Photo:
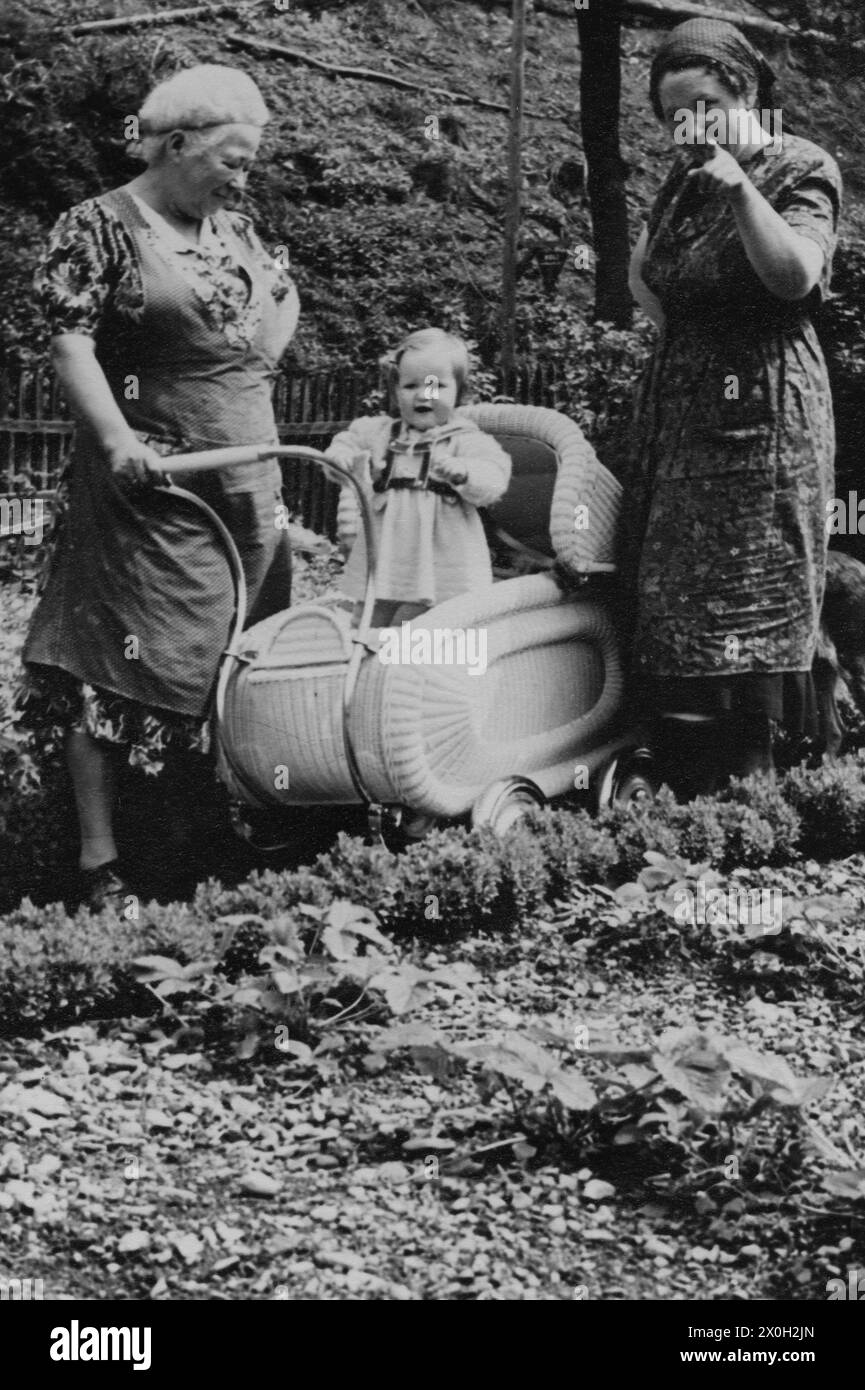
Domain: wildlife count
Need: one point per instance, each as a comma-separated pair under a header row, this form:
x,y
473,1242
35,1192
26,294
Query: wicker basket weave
x,y
582,542
433,737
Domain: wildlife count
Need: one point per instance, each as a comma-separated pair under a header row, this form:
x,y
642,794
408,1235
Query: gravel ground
x,y
139,1166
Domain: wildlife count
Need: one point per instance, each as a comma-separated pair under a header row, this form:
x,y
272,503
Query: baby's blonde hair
x,y
427,338
198,99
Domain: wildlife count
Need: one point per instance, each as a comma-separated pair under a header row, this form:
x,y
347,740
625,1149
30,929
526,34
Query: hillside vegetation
x,y
387,227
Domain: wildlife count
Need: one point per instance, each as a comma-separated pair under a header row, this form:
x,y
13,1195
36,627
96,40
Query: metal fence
x,y
310,407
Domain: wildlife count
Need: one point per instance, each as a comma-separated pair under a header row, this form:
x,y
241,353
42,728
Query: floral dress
x,y
723,536
138,597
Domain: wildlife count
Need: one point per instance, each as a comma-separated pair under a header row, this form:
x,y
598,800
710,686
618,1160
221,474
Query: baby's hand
x,y
452,471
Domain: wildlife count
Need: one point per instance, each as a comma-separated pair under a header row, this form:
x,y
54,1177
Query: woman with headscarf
x,y
723,541
168,318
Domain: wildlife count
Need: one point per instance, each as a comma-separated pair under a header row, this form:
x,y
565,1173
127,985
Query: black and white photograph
x,y
432,666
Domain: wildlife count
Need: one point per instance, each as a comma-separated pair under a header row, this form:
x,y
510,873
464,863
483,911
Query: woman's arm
x,y
648,302
788,264
74,360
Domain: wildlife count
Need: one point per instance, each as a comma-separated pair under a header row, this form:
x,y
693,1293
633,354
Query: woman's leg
x,y
687,747
746,748
91,768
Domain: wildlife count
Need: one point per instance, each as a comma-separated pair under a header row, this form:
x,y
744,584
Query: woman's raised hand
x,y
134,465
720,171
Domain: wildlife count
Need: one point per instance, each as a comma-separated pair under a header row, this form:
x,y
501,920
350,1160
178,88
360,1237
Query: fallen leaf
x,y
428,1144
596,1190
22,1192
132,1241
241,1106
157,1119
17,1099
259,1185
187,1245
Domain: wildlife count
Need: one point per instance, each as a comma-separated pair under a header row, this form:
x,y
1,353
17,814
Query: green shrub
x,y
525,871
766,798
639,827
747,825
577,848
38,831
830,801
55,968
59,968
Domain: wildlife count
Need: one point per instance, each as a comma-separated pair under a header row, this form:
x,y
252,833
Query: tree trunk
x,y
515,177
600,82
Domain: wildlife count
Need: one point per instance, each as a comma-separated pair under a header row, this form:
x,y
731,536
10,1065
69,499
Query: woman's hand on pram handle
x,y
134,465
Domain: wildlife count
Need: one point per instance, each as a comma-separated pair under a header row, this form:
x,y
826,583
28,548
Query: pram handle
x,y
233,455
255,453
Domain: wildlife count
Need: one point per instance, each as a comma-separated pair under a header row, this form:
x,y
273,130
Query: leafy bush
x,y
639,827
457,878
576,847
595,368
670,1112
734,829
830,801
57,968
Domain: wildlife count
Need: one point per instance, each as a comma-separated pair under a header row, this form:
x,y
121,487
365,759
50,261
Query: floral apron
x,y
139,596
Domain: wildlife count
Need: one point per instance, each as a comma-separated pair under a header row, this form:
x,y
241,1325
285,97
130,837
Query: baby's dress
x,y
431,546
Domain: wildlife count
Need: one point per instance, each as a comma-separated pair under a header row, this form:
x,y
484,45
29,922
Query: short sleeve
x,y
77,275
811,205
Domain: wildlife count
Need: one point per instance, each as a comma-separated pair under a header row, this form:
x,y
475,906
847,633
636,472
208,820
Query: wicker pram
x,y
308,713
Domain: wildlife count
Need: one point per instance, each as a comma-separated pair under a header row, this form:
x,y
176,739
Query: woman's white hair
x,y
198,98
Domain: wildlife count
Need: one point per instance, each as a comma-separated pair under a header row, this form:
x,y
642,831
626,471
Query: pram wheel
x,y
627,779
398,827
506,802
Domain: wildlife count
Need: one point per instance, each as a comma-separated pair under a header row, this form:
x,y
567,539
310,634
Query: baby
x,y
426,469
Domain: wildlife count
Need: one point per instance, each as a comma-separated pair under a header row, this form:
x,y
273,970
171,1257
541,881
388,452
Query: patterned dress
x,y
723,539
189,338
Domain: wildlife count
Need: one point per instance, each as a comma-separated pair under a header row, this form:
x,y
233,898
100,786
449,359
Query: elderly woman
x,y
168,318
723,542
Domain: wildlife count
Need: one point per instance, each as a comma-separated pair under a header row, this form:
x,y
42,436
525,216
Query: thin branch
x,y
661,12
295,55
773,28
141,21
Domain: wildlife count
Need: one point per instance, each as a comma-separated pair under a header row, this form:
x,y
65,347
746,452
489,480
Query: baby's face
x,y
427,389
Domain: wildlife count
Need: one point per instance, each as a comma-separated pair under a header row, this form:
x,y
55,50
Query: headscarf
x,y
703,42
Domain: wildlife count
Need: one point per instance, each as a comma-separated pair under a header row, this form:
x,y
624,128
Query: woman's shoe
x,y
103,887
